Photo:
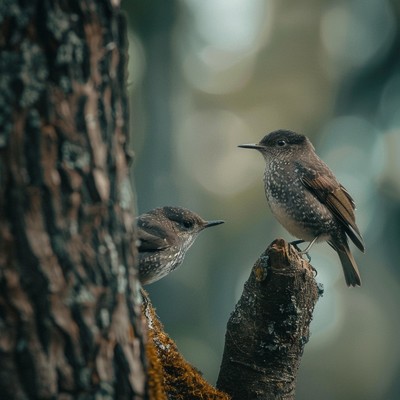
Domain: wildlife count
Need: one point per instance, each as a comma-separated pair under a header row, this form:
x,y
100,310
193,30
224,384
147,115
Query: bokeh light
x,y
214,136
206,76
356,32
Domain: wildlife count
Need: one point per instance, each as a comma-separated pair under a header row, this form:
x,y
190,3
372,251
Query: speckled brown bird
x,y
165,234
307,199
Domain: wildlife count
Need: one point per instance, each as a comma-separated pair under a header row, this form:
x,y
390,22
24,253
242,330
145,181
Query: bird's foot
x,y
307,255
314,270
302,252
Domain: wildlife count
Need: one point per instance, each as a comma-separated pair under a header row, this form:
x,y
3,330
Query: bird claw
x,y
302,252
314,270
307,255
295,243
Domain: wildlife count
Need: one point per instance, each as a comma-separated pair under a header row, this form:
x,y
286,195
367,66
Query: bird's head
x,y
280,143
187,224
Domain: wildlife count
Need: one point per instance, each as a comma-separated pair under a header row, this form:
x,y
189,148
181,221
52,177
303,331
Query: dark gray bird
x,y
306,198
165,235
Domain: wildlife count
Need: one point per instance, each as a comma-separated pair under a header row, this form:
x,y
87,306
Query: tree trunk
x,y
70,322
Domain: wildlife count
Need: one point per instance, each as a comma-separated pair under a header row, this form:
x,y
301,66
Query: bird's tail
x,y
350,269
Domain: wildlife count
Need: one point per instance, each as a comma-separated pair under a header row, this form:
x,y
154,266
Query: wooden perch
x,y
269,328
265,337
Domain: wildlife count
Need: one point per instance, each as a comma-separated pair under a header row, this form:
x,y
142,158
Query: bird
x,y
307,199
164,236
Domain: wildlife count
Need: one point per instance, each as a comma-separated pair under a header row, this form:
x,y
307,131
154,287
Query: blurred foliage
x,y
208,75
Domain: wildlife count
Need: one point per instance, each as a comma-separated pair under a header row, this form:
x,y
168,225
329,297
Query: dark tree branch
x,y
269,328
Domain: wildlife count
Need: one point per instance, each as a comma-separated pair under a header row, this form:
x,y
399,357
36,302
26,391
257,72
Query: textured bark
x,y
269,328
70,321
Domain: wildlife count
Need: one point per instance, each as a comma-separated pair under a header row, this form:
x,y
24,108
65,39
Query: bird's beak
x,y
251,146
213,223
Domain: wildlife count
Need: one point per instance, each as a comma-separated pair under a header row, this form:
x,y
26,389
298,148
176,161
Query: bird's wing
x,y
331,193
152,236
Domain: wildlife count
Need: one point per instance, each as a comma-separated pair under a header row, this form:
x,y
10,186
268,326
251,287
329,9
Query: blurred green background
x,y
207,75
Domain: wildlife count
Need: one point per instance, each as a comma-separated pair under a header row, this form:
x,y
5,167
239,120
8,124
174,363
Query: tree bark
x,y
269,328
70,320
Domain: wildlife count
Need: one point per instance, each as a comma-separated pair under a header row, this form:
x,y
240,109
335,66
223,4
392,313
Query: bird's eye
x,y
187,224
281,143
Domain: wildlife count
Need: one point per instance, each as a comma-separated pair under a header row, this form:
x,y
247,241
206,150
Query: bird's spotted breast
x,y
293,226
296,209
